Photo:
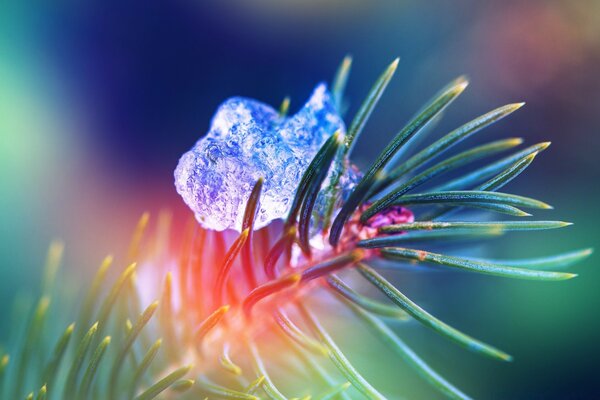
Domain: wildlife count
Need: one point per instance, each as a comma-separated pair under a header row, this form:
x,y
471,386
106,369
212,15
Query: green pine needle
x,y
491,170
429,320
227,363
314,187
362,189
563,260
226,393
410,357
143,366
126,347
57,356
284,107
443,167
445,143
372,306
248,225
465,196
164,383
483,267
267,384
339,82
501,225
368,105
339,359
90,372
293,332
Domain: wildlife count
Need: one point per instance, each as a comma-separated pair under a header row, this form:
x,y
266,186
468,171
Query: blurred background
x,y
99,99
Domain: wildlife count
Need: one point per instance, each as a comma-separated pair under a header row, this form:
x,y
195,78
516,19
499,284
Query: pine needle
x,y
164,383
445,166
339,82
53,365
90,372
143,367
365,303
119,360
340,360
248,226
293,332
70,387
364,186
483,267
427,319
446,142
409,356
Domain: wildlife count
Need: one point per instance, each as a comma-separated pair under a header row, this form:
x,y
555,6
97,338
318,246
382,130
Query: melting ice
x,y
247,140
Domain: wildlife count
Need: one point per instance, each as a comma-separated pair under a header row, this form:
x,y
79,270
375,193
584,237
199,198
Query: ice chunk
x,y
248,140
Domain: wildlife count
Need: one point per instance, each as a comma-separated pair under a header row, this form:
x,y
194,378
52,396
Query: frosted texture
x,y
246,140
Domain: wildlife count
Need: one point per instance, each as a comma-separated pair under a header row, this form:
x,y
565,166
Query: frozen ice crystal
x,y
248,140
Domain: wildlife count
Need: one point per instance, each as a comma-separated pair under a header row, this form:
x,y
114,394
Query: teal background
x,y
98,100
